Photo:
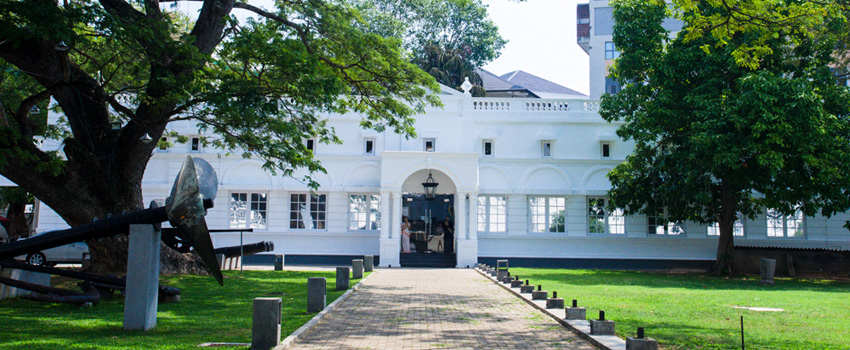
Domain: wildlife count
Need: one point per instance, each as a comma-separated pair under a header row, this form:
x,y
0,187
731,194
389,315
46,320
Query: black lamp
x,y
430,187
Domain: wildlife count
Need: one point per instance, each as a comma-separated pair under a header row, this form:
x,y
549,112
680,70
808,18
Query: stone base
x,y
368,263
641,344
357,268
278,262
516,283
501,274
555,303
539,295
316,294
342,278
526,289
507,279
598,327
576,313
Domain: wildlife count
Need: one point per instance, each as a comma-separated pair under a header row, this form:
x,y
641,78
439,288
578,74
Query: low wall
x,y
746,260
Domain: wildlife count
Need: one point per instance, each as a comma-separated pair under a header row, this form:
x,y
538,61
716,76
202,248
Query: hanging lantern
x,y
430,187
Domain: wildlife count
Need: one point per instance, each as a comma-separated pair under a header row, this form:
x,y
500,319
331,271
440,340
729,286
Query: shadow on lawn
x,y
669,280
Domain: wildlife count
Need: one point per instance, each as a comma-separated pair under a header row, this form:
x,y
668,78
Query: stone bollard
x,y
539,294
767,267
278,262
526,288
368,263
601,326
501,274
554,302
641,343
504,277
508,279
575,312
342,278
265,330
316,294
516,283
357,268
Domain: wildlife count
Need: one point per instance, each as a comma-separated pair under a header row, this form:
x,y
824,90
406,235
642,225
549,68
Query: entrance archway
x,y
432,222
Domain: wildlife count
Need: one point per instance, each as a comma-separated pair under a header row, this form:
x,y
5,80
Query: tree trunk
x,y
726,244
18,225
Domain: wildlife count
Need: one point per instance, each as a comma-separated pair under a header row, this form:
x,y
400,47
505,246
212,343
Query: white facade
x,y
545,156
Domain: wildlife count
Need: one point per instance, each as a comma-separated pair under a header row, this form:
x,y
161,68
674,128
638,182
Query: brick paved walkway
x,y
436,309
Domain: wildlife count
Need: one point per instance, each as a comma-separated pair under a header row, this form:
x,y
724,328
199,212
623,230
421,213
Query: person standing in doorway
x,y
448,236
405,235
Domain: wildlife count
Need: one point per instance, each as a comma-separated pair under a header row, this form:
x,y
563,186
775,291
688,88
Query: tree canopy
x,y
260,85
717,140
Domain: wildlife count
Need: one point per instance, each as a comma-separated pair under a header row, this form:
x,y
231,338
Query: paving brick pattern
x,y
436,309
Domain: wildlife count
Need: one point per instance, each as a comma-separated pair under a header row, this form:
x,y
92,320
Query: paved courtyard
x,y
436,309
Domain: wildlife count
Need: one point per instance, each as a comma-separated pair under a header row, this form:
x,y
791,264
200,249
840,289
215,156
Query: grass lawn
x,y
695,311
206,313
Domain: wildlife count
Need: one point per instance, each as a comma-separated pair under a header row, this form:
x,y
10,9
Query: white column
x,y
396,213
473,216
460,216
386,216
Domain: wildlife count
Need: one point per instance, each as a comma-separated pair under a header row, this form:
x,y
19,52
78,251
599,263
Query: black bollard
x,y
640,333
601,315
526,282
575,303
539,287
554,295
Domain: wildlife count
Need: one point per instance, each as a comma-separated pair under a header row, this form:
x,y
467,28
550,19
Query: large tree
x,y
717,140
449,39
260,85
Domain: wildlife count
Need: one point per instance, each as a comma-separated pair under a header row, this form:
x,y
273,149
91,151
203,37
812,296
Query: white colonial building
x,y
520,178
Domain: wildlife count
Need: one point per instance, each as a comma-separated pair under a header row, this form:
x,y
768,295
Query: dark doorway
x,y
432,226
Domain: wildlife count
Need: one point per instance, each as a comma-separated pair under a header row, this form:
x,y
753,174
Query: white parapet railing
x,y
533,105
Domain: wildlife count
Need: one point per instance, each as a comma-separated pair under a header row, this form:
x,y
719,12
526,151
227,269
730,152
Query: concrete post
x,y
316,294
142,290
342,278
460,214
396,214
265,328
554,302
601,326
386,217
357,268
539,294
641,344
278,262
368,263
473,216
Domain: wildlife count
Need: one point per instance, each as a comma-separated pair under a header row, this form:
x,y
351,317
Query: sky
x,y
541,37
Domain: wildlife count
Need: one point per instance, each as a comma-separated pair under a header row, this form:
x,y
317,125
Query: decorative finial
x,y
466,86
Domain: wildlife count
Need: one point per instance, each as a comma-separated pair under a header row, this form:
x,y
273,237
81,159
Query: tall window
x,y
737,229
611,51
487,148
248,210
546,148
657,223
604,221
196,144
311,145
364,212
492,214
308,211
369,146
547,214
779,225
606,149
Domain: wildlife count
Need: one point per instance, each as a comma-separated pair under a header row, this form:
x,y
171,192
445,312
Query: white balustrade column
x,y
396,214
460,216
473,216
386,216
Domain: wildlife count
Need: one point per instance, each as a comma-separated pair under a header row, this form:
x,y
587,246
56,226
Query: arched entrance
x,y
432,221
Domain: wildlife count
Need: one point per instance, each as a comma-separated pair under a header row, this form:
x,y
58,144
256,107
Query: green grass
x,y
206,313
695,311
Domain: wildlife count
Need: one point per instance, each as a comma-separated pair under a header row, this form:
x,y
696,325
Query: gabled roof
x,y
538,85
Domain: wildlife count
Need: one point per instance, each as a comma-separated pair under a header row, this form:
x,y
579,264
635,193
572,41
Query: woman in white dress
x,y
405,235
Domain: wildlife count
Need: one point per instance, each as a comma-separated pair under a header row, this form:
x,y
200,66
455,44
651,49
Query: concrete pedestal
x,y
641,344
316,294
516,283
278,262
390,251
342,278
357,268
555,303
598,327
368,263
142,289
467,252
576,313
265,329
501,274
539,295
526,289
